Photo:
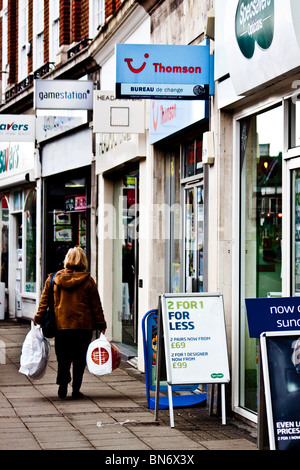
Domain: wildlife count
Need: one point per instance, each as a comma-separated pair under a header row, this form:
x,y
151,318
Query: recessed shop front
x,y
185,188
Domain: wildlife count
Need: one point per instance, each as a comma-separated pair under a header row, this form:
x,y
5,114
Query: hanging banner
x,y
117,116
163,71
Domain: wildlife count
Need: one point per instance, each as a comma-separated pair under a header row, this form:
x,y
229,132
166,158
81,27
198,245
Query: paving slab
x,y
112,416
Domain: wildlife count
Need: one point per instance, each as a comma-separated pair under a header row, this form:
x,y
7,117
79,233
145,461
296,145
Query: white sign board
x,y
195,338
17,128
168,117
54,123
63,94
115,116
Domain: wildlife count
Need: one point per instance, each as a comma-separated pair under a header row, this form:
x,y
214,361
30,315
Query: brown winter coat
x,y
77,304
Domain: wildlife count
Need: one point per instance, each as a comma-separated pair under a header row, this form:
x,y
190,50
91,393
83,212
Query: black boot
x,y
62,390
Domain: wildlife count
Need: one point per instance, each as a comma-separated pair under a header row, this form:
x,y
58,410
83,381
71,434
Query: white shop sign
x,y
115,116
17,128
63,94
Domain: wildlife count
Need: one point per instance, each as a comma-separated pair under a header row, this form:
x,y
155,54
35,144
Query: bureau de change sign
x,y
163,71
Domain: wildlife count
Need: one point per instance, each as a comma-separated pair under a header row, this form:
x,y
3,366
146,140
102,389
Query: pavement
x,y
112,416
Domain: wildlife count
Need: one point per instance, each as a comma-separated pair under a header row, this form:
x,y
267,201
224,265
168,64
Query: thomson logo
x,y
14,127
64,95
162,68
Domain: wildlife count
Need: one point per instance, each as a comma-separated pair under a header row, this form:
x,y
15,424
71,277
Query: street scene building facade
x,y
199,196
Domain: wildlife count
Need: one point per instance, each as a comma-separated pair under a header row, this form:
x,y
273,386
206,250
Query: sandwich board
x,y
192,327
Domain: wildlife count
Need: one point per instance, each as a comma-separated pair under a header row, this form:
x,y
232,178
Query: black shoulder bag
x,y
49,324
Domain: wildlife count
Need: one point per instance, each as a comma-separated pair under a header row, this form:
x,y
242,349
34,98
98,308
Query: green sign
x,y
254,22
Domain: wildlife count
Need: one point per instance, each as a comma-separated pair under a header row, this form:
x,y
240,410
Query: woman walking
x,y
78,311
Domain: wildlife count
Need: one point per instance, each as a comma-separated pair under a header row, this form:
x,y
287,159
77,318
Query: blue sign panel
x,y
272,314
163,71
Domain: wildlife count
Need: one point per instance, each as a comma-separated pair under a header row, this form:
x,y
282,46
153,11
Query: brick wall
x,y
46,30
65,22
12,45
110,7
80,20
30,34
85,19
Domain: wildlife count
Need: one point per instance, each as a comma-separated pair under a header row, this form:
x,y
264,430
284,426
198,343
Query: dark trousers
x,y
71,347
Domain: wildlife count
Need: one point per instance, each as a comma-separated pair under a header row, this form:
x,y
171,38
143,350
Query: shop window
x,y
30,240
4,224
193,158
261,230
173,223
126,259
68,216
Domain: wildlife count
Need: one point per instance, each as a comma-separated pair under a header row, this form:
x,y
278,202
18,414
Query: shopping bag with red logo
x,y
102,356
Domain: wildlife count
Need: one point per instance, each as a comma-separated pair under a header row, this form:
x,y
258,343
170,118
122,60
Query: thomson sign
x,y
63,94
163,71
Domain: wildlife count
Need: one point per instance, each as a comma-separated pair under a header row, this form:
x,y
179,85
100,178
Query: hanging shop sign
x,y
54,123
272,314
115,116
168,117
17,128
63,94
280,354
163,71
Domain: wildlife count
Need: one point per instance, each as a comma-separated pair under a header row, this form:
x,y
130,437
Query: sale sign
x,y
195,338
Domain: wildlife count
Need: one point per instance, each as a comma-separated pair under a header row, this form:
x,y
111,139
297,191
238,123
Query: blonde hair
x,y
76,259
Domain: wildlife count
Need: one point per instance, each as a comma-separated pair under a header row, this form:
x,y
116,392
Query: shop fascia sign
x,y
63,94
114,116
170,116
52,123
164,71
254,23
17,128
16,158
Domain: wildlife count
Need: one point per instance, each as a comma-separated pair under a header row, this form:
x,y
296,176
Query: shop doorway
x,y
126,259
67,202
194,237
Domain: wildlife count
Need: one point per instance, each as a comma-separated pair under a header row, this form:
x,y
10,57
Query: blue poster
x,y
272,314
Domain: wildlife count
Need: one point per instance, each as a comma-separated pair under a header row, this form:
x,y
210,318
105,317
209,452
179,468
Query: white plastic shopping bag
x,y
102,357
35,353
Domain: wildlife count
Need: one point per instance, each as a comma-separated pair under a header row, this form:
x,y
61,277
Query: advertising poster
x,y
195,338
281,364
